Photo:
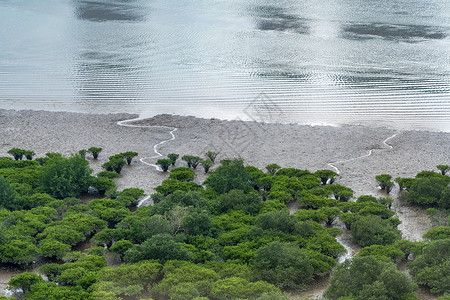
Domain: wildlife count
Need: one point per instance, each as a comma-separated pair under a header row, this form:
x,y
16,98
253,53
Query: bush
x,y
95,151
66,177
17,153
103,184
373,230
164,163
385,182
192,161
182,174
173,157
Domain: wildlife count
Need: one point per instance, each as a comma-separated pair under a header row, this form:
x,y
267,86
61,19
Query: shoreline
x,y
359,152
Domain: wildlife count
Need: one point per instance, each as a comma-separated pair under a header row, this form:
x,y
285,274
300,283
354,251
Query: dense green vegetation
x,y
231,237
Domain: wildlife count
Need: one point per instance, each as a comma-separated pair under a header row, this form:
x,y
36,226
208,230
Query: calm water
x,y
324,62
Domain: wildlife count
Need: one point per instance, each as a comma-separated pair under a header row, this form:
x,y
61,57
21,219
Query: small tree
x,y
17,153
272,168
115,164
95,151
164,163
24,281
211,155
173,157
182,174
102,184
82,153
120,247
206,164
325,175
192,161
29,154
443,168
385,182
129,156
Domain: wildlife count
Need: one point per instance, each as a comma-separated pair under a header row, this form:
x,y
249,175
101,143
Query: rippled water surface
x,y
322,62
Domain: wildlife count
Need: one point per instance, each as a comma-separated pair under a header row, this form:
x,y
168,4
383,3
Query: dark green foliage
x,y
206,164
169,186
173,157
251,202
385,182
431,266
20,252
192,161
29,154
164,163
109,236
283,264
427,191
160,247
8,196
211,155
120,247
373,230
182,174
115,164
95,151
230,175
66,177
404,183
128,156
368,277
17,153
272,168
443,168
108,174
103,184
326,175
292,172
340,192
389,251
24,281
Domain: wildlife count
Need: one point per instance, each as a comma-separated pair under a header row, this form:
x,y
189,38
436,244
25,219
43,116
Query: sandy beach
x,y
347,148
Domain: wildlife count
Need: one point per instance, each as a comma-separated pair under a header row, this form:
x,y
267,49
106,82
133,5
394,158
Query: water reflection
x,y
392,32
278,19
115,10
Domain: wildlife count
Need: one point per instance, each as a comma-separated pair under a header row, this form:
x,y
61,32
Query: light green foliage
x,y
20,252
146,227
389,251
66,177
283,264
438,233
29,154
50,291
340,192
230,175
182,174
404,183
431,266
53,248
235,287
95,151
62,233
385,182
368,277
128,280
24,281
120,247
373,230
